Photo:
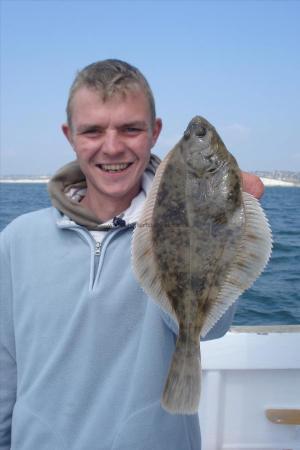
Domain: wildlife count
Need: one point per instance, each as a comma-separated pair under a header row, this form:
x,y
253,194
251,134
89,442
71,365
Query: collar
x,y
67,187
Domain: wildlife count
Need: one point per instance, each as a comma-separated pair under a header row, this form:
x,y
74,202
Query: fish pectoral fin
x,y
252,257
143,259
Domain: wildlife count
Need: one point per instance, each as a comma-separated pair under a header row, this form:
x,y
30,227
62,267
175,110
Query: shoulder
x,y
29,223
31,218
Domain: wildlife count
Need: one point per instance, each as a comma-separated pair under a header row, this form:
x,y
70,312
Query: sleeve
x,y
8,372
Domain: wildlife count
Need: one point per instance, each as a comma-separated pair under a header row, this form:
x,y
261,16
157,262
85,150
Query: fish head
x,y
202,149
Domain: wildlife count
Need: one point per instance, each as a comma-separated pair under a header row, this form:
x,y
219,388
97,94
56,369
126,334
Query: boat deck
x,y
251,389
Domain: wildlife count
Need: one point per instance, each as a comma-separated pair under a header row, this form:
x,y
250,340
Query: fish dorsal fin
x,y
143,259
251,259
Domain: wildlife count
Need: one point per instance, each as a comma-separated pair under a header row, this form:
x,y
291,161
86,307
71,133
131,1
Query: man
x,y
84,352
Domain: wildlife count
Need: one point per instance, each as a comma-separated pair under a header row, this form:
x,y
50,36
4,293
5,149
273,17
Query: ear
x,y
67,132
156,130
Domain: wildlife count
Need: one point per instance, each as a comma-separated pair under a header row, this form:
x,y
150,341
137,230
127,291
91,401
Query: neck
x,y
106,209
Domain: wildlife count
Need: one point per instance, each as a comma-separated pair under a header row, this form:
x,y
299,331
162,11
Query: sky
x,y
237,63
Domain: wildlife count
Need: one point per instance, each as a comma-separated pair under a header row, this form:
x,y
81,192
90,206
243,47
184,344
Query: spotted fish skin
x,y
197,224
204,244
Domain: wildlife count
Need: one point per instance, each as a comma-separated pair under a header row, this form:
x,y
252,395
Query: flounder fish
x,y
199,244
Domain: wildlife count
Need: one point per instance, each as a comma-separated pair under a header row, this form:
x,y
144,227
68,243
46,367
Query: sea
x,y
274,298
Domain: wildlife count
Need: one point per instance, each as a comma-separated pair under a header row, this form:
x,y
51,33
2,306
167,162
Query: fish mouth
x,y
115,167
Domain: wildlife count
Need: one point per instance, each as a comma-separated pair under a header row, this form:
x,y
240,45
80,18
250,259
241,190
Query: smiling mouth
x,y
114,167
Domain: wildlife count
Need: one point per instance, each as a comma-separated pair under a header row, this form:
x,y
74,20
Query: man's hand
x,y
252,184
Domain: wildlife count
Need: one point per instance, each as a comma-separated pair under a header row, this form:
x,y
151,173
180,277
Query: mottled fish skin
x,y
200,243
197,222
197,225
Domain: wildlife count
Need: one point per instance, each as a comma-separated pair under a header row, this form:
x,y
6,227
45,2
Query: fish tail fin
x,y
182,389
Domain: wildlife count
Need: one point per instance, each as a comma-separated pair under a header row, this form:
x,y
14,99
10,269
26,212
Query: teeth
x,y
114,167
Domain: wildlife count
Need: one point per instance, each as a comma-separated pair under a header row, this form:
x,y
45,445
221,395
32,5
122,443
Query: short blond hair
x,y
110,77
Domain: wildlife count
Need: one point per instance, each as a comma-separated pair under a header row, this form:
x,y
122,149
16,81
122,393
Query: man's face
x,y
112,141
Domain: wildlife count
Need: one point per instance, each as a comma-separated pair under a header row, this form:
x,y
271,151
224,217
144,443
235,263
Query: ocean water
x,y
275,296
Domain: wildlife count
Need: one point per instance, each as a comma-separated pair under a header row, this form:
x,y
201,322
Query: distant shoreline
x,y
267,181
24,180
274,182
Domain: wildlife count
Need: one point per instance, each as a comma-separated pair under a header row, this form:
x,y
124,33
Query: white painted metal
x,y
245,373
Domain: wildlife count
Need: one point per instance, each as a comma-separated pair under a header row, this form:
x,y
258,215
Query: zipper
x,y
98,249
97,253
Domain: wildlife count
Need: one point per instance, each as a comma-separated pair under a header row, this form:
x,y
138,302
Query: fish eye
x,y
200,132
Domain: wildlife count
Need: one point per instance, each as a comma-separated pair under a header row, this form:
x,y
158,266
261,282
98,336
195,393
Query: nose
x,y
112,143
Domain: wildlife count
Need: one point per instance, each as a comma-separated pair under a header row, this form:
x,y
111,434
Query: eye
x,y
90,133
93,132
132,130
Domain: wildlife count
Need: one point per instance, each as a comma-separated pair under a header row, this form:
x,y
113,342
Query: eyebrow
x,y
93,127
137,124
87,127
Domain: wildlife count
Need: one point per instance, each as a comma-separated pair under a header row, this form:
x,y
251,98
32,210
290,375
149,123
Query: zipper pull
x,y
98,248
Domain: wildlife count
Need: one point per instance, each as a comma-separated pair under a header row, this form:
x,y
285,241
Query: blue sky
x,y
235,62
